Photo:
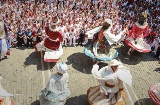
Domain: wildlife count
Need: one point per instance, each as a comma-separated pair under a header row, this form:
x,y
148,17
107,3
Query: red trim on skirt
x,y
135,48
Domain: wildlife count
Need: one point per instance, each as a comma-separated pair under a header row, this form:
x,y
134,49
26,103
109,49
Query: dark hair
x,y
105,25
141,20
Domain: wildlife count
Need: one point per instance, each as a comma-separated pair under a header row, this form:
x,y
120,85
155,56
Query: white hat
x,y
62,67
114,62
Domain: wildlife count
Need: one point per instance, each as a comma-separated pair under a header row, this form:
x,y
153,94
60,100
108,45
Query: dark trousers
x,y
158,52
20,42
80,41
29,43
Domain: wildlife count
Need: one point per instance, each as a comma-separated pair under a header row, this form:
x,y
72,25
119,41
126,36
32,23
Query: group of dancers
x,y
98,47
111,78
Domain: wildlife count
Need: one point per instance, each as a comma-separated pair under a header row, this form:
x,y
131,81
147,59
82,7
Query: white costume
x,y
108,38
72,38
112,38
65,37
57,89
110,83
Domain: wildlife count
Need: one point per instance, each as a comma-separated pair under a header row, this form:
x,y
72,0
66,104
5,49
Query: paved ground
x,y
26,74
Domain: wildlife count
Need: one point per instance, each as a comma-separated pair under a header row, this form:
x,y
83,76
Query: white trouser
x,y
65,41
70,40
155,45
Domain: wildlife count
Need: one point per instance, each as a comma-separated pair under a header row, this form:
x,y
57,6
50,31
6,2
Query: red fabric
x,y
53,45
54,35
138,32
51,60
8,52
152,33
2,100
34,33
132,46
153,97
130,1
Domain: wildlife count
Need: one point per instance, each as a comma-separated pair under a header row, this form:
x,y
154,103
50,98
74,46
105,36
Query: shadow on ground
x,y
145,101
80,62
157,70
35,59
36,102
136,56
77,100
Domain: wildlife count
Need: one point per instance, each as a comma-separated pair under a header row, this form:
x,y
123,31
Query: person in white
x,y
111,78
65,37
57,89
72,38
155,44
111,38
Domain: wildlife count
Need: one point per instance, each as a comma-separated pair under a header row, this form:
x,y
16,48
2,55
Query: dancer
x,y
111,89
135,37
100,41
57,89
51,44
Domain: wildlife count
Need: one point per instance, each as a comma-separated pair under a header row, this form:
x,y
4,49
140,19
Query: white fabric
x,y
40,46
112,38
50,54
58,90
140,43
107,75
158,87
1,29
114,62
53,54
62,67
4,48
3,92
124,75
155,45
95,48
72,38
59,87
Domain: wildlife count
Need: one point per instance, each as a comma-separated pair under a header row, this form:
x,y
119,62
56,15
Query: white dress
x,y
56,91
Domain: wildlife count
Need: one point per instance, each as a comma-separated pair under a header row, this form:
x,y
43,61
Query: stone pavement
x,y
25,74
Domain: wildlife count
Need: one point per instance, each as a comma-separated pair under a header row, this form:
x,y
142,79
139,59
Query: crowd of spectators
x,y
74,15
